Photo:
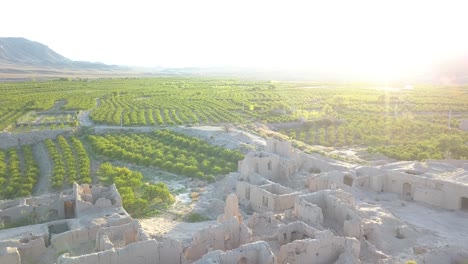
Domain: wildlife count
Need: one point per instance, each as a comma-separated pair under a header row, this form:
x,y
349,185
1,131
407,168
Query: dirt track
x,y
45,168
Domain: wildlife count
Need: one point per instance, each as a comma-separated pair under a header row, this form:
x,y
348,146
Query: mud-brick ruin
x,y
282,206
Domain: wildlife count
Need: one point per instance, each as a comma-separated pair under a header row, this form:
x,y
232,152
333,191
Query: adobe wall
x,y
324,164
231,209
92,197
294,231
307,212
252,253
226,236
9,255
33,210
265,164
259,199
142,252
8,140
264,226
170,252
282,148
72,239
119,236
332,180
279,162
337,209
435,192
28,248
325,248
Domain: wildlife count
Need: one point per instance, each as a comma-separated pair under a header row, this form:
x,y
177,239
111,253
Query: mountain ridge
x,y
23,52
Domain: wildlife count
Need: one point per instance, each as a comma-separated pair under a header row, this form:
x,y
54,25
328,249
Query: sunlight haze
x,y
383,39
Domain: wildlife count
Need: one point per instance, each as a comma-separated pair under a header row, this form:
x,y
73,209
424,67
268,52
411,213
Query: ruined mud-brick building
x,y
277,163
304,211
271,197
328,202
86,224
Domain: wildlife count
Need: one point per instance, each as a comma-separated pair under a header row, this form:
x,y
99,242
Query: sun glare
x,y
381,40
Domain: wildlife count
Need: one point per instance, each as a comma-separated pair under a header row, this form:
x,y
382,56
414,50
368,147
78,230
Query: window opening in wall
x,y
407,190
247,193
348,180
269,165
464,204
294,236
69,207
265,201
243,260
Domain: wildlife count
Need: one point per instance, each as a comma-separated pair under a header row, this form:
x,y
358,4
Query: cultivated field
x,y
406,123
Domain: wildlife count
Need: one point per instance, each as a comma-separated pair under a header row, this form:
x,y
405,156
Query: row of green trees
x,y
402,137
170,151
137,197
82,160
70,162
16,180
171,101
58,171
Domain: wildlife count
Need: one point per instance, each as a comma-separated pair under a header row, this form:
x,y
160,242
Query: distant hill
x,y
21,58
27,52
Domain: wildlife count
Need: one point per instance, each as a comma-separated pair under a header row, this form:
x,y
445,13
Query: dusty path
x,y
42,158
84,117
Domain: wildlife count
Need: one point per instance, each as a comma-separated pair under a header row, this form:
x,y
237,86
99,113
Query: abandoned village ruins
x,y
282,206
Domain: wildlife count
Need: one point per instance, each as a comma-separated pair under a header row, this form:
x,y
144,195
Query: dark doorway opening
x,y
407,190
464,204
69,207
348,180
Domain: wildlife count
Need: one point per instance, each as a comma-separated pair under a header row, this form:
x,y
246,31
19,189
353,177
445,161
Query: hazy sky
x,y
376,37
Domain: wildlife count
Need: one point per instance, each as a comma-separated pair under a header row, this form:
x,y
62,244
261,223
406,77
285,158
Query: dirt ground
x,y
45,167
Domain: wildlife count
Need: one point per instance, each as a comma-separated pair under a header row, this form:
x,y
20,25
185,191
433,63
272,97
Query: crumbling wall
x,y
141,252
325,248
71,239
119,236
337,208
87,197
229,235
32,210
278,163
282,148
262,163
307,212
294,231
252,253
263,226
260,199
170,252
332,180
28,248
435,192
316,162
9,255
231,209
